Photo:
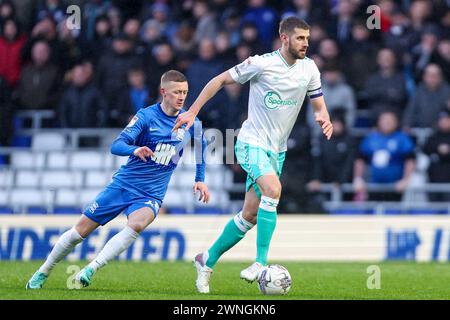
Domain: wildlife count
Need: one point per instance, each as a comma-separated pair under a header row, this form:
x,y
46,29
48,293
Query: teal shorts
x,y
258,162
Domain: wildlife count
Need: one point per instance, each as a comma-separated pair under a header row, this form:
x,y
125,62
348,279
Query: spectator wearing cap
x,y
438,150
112,74
428,99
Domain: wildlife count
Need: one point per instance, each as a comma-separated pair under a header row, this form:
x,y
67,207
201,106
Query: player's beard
x,y
295,54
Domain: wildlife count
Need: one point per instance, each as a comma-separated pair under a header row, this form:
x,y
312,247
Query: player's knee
x,y
138,226
272,190
250,215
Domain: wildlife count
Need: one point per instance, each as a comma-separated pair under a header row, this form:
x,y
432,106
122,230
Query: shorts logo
x,y
163,153
153,204
273,101
93,207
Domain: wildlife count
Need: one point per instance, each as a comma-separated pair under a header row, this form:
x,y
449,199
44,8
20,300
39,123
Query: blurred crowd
x,y
100,74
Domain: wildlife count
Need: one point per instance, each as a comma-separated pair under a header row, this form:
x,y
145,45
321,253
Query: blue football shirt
x,y
152,127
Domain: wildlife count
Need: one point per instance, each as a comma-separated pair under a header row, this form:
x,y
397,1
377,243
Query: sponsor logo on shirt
x,y
273,100
163,153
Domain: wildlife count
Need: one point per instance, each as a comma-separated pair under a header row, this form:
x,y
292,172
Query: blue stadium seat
x,y
6,210
67,210
176,210
208,210
391,211
21,141
36,210
427,211
352,211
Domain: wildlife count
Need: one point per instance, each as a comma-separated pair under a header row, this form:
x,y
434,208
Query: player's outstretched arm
x,y
322,117
209,91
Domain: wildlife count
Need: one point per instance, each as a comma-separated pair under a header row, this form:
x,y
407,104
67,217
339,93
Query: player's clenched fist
x,y
143,153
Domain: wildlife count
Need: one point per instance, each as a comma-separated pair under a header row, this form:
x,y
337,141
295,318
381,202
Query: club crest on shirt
x,y
133,121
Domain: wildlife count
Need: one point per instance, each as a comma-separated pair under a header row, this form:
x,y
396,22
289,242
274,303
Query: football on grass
x,y
274,280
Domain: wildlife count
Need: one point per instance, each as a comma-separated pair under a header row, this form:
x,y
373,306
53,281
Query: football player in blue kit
x,y
139,186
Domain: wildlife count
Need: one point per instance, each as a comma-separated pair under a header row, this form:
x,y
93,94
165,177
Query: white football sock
x,y
115,246
62,248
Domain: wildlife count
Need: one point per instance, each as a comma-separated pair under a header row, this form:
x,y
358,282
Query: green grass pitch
x,y
175,280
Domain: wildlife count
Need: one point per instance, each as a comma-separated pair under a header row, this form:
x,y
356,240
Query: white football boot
x,y
252,273
203,272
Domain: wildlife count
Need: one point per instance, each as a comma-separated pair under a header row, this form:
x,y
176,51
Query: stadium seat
x,y
208,210
67,210
66,197
48,141
86,160
27,196
3,197
88,195
6,210
36,210
97,178
57,160
27,179
58,179
6,178
175,198
27,160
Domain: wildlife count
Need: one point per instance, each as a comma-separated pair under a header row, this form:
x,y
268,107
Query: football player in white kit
x,y
279,82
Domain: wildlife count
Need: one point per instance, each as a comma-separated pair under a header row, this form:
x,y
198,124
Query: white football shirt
x,y
276,95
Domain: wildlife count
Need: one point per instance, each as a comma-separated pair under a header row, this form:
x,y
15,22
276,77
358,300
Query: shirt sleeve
x,y
248,69
124,144
200,145
315,86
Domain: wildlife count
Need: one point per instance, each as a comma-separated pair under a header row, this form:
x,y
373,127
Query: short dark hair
x,y
289,24
173,75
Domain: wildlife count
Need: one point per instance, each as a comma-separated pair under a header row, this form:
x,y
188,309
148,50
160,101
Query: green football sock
x,y
266,222
233,232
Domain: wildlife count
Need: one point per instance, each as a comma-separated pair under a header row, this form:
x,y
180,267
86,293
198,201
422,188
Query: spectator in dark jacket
x,y
163,59
333,160
386,88
200,72
438,149
430,97
135,96
39,83
5,113
112,75
82,105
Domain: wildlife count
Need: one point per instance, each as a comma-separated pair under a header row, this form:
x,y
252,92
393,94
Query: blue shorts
x,y
113,200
